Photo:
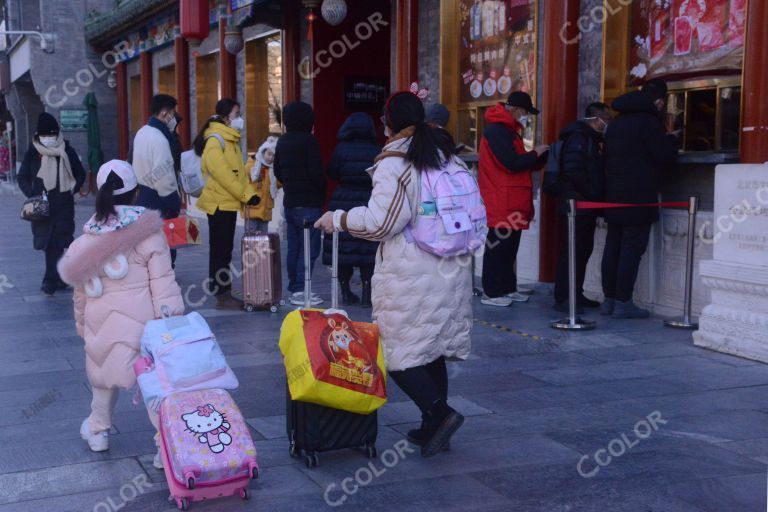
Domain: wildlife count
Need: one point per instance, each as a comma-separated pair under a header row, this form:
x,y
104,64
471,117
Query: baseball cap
x,y
522,100
120,173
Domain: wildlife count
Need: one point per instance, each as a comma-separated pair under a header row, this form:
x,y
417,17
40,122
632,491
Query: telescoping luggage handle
x,y
308,270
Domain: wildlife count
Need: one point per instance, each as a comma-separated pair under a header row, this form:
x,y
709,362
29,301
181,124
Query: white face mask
x,y
172,123
524,120
237,123
48,140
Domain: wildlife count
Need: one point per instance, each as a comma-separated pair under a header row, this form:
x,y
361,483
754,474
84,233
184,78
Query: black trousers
x,y
52,257
499,276
221,233
425,385
624,248
346,271
585,243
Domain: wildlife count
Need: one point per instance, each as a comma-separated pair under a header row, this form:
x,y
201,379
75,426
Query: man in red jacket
x,y
507,189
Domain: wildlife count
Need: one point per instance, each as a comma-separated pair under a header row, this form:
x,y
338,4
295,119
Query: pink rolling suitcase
x,y
262,273
206,447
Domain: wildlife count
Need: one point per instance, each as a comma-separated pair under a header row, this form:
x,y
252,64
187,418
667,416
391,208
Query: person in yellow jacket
x,y
262,178
227,190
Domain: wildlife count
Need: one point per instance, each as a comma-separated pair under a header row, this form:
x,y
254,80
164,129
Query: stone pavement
x,y
676,428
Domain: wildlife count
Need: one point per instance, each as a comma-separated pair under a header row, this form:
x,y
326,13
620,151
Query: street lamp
x,y
46,40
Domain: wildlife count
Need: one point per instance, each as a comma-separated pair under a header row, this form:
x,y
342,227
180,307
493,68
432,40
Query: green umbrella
x,y
95,154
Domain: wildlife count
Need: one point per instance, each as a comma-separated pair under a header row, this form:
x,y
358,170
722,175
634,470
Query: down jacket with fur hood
x,y
422,303
122,277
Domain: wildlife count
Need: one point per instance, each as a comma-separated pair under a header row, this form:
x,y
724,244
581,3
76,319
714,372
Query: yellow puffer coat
x,y
227,186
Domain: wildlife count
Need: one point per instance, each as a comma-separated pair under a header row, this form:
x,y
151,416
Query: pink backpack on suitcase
x,y
206,447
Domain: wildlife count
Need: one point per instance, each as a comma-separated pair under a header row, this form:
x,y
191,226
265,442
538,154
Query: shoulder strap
x,y
217,137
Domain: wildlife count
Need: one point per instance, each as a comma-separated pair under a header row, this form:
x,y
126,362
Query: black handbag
x,y
36,208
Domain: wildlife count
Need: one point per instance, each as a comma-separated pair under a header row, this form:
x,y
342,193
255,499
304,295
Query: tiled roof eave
x,y
127,14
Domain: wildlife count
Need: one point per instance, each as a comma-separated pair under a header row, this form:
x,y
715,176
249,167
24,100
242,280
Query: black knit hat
x,y
47,125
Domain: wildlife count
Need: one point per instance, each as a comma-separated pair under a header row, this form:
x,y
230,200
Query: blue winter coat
x,y
353,155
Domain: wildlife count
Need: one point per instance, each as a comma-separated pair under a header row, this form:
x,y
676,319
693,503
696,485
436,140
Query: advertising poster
x,y
682,37
497,49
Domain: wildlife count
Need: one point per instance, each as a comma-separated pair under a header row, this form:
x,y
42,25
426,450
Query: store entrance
x,y
263,89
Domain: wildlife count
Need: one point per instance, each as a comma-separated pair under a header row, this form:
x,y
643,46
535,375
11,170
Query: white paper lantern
x,y
334,11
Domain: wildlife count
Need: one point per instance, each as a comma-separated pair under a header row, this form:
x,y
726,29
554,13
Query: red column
x,y
228,65
181,50
122,111
145,70
754,107
407,41
291,45
558,106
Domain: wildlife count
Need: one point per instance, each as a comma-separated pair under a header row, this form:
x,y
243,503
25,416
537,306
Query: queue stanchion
x,y
687,322
572,323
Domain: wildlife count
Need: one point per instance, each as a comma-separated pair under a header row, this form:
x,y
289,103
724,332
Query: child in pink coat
x,y
121,270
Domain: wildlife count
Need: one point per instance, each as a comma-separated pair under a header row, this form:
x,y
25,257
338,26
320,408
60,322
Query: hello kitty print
x,y
209,426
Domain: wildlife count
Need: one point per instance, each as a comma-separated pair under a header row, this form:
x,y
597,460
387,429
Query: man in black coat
x,y
299,167
581,177
638,148
52,166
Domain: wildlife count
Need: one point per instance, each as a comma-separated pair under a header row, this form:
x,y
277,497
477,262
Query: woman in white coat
x,y
421,302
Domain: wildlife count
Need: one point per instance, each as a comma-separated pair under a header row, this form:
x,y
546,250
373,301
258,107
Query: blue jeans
x,y
294,218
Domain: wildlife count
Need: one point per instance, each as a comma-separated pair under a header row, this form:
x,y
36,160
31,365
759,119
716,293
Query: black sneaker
x,y
587,303
62,286
48,289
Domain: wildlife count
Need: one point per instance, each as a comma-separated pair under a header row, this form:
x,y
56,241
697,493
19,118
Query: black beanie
x,y
404,109
47,125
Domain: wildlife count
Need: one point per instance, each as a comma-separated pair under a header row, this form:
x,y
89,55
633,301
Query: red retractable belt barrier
x,y
591,205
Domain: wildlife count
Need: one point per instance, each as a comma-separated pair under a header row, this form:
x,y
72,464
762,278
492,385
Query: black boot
x,y
441,422
419,436
367,294
347,297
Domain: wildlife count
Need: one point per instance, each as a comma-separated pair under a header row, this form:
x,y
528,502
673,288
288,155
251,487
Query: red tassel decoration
x,y
311,17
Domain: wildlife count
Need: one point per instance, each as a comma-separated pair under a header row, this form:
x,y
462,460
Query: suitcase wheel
x,y
245,493
312,460
249,308
273,309
255,473
371,452
190,482
182,503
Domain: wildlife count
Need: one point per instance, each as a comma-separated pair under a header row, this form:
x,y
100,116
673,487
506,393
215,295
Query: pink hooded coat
x,y
112,323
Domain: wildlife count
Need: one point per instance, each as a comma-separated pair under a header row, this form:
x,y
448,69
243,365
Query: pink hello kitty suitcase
x,y
206,447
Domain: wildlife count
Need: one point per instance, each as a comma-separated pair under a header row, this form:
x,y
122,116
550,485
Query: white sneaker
x,y
500,302
98,442
524,290
297,299
518,297
158,461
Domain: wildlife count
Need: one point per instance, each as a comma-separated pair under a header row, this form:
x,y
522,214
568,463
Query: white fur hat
x,y
121,170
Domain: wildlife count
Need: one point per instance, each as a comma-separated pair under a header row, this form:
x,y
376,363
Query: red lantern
x,y
195,21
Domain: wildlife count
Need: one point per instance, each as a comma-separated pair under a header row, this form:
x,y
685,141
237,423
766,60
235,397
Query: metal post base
x,y
580,324
680,323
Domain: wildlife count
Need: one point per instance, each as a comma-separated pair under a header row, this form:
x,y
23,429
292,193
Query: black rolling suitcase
x,y
314,428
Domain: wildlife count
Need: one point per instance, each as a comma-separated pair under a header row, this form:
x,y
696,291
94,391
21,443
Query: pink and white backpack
x,y
450,218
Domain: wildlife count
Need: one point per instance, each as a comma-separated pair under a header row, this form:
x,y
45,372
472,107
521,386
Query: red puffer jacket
x,y
505,171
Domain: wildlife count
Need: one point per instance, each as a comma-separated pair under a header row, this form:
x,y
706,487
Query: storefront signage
x,y
159,32
238,4
73,120
365,93
497,48
684,37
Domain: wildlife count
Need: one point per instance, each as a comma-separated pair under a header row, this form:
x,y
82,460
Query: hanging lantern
x,y
233,37
194,17
334,11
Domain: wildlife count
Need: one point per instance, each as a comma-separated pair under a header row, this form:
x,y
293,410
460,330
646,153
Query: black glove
x,y
255,200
